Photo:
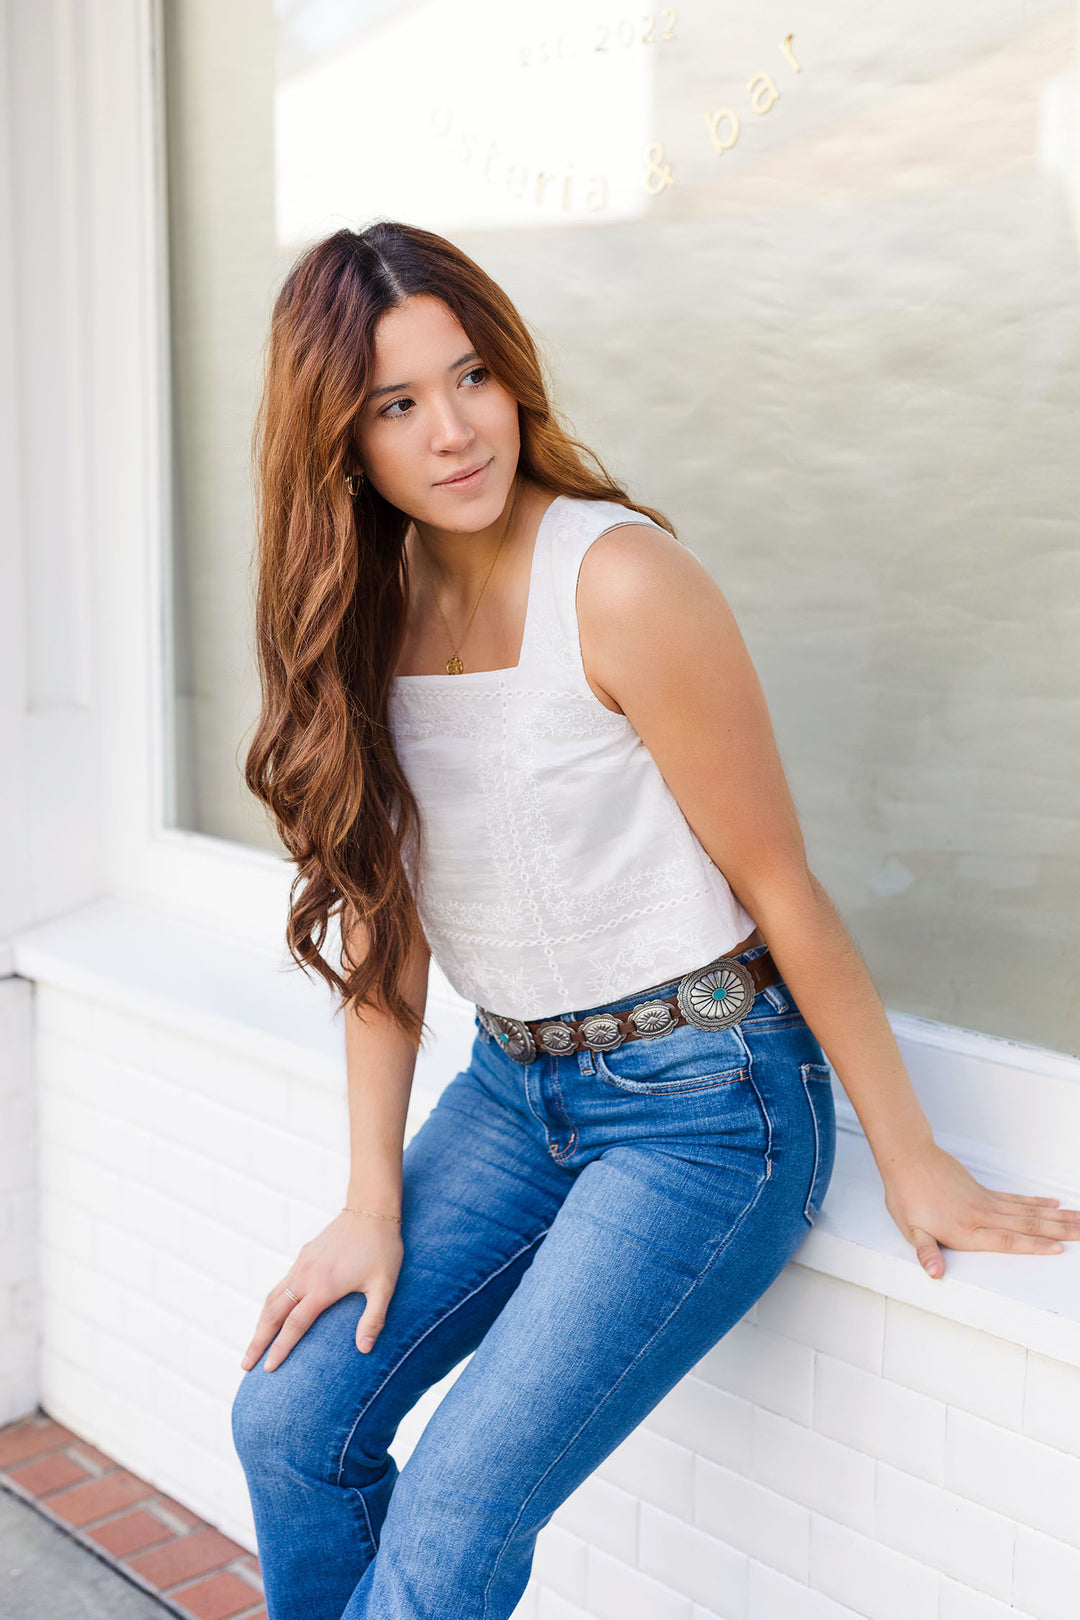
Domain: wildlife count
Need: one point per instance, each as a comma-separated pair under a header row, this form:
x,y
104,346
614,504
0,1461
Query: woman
x,y
509,719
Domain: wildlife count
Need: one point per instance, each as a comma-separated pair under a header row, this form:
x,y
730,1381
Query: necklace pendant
x,y
454,666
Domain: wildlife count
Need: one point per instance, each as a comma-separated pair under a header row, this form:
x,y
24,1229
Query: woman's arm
x,y
659,637
356,1253
380,1062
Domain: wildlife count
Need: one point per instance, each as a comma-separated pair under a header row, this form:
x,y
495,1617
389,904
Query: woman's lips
x,y
465,483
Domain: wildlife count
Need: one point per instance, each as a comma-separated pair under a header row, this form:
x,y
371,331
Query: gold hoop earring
x,y
353,482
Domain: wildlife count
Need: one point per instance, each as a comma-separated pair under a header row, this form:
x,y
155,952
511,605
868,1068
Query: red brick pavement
x,y
160,1544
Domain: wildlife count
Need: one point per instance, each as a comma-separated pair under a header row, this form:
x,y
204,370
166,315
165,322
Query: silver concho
x,y
652,1018
487,1021
513,1036
717,996
601,1032
555,1036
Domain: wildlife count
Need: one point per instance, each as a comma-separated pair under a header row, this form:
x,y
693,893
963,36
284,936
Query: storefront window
x,y
807,282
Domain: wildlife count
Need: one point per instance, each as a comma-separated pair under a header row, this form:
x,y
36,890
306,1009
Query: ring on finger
x,y
292,1296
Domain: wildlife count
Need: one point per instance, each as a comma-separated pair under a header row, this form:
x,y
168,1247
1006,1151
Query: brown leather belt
x,y
711,997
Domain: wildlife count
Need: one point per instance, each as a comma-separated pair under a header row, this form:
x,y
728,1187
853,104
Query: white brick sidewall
x,y
838,1453
18,1204
178,1182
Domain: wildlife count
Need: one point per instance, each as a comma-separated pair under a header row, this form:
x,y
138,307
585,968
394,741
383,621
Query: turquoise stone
x,y
718,995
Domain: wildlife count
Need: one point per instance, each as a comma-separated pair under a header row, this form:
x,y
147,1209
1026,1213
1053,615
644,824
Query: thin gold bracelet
x,y
347,1209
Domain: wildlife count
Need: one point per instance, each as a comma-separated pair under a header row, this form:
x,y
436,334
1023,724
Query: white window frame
x,y
236,889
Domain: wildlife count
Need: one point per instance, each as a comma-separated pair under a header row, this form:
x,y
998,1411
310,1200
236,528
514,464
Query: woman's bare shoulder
x,y
637,566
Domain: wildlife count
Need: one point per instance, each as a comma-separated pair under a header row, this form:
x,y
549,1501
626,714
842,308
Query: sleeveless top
x,y
559,871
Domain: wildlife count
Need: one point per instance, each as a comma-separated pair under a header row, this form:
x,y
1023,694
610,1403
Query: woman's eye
x,y
393,402
388,410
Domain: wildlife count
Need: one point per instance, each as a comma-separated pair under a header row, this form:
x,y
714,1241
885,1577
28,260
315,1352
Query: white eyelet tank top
x,y
560,872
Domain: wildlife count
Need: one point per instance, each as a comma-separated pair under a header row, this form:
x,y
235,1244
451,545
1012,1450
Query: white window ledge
x,y
157,967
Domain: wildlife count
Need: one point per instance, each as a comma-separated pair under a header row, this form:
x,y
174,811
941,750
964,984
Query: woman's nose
x,y
449,429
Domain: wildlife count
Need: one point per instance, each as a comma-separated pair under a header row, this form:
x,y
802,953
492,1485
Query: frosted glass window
x,y
807,279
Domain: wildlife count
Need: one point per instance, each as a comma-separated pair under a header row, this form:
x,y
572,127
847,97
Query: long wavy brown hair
x,y
332,588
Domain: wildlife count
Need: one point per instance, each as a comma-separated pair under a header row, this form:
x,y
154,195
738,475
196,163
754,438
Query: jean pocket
x,y
818,1088
686,1059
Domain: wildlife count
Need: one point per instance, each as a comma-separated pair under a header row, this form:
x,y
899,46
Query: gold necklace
x,y
454,666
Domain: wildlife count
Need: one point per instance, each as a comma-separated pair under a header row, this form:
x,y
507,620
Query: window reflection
x,y
808,282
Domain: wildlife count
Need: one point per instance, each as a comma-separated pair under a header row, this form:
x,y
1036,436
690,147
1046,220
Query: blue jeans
x,y
587,1227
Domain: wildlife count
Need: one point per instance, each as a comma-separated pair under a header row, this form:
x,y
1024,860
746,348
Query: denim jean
x,y
585,1228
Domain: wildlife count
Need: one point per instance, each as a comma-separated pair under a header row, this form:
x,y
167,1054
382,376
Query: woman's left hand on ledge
x,y
934,1201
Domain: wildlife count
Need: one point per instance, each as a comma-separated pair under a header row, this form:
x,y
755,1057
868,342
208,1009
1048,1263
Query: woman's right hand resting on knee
x,y
357,1253
354,1254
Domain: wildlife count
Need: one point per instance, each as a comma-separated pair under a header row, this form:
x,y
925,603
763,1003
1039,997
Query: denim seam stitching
x,y
766,1116
817,1134
698,1280
528,1097
774,1020
367,1520
675,1087
565,1152
430,1329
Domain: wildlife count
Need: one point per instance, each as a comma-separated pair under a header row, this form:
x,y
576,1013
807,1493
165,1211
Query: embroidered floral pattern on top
x,y
560,871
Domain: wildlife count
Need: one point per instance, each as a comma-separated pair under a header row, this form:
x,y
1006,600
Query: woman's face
x,y
434,411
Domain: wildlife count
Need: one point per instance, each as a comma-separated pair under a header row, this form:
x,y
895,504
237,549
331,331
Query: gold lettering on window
x,y
763,93
714,120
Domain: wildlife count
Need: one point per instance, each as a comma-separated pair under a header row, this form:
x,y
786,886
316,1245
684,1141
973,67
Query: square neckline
x,y
507,669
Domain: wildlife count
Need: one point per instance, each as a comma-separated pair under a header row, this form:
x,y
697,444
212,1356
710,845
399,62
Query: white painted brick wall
x,y
948,1362
880,1418
178,1183
19,1302
960,1537
809,1467
691,1561
1030,1481
1052,1403
839,1454
1047,1577
776,1597
604,1515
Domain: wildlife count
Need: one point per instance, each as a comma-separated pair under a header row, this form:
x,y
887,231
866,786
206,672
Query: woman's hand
x,y
934,1200
354,1254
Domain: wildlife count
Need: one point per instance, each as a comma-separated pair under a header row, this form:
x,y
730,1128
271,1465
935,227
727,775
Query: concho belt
x,y
711,997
